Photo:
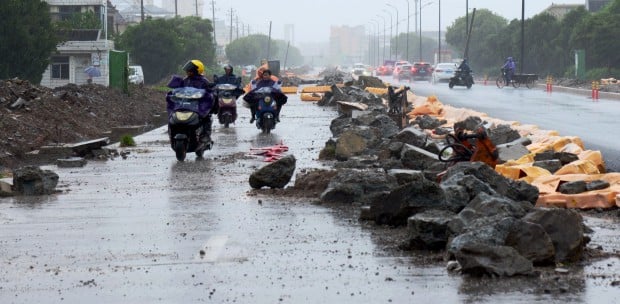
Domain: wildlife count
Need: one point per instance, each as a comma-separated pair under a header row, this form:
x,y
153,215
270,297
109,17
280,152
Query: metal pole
x,y
466,16
231,25
397,36
522,35
176,8
196,8
407,52
142,10
391,26
420,30
237,27
383,35
439,38
212,18
269,42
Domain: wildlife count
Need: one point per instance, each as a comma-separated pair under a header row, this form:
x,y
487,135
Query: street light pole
x,y
383,35
391,26
377,40
397,36
439,38
420,30
407,53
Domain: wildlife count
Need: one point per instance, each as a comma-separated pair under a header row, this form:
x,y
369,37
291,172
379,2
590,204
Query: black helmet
x,y
228,67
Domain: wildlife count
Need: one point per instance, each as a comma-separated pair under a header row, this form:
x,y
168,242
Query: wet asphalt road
x,y
132,231
595,122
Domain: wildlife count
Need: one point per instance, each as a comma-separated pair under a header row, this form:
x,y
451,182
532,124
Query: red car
x,y
384,70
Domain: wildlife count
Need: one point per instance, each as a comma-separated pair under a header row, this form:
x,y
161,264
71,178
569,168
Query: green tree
x,y
27,39
429,45
163,46
598,35
542,55
487,43
293,57
86,20
250,50
563,42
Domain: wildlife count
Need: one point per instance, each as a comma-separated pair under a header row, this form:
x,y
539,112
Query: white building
x,y
82,49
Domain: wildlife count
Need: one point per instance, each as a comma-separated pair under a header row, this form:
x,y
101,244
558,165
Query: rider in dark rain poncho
x,y
194,70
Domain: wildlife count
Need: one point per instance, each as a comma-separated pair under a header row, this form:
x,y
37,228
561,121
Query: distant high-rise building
x,y
184,7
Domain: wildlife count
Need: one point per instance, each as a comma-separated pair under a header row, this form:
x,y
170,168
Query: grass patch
x,y
127,141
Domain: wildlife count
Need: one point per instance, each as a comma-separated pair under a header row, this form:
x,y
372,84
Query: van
x,y
135,74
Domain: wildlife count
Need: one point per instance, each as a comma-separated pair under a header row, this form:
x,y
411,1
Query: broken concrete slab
x,y
72,162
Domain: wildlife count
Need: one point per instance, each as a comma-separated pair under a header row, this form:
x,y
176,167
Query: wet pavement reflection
x,y
150,229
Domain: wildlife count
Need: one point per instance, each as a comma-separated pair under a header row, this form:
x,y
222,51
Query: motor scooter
x,y
227,95
461,78
266,107
184,123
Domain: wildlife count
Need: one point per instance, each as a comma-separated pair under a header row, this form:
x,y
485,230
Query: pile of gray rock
x,y
484,222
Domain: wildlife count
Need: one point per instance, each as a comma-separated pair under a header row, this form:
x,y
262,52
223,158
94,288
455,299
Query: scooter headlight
x,y
267,99
227,100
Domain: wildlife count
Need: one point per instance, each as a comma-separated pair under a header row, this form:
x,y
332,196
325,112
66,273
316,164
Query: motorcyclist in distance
x,y
464,67
228,77
194,70
266,81
510,67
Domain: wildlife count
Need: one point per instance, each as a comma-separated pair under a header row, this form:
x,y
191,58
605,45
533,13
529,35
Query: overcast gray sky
x,y
313,18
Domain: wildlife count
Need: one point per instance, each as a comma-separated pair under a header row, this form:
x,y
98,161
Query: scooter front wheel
x,y
180,149
500,82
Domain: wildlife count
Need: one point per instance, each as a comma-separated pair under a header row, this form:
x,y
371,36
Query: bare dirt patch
x,y
32,116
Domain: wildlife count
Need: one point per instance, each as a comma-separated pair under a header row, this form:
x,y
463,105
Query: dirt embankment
x,y
32,116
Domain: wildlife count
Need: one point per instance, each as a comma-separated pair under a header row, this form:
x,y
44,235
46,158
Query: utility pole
x,y
237,19
142,10
213,21
269,42
196,8
231,25
176,8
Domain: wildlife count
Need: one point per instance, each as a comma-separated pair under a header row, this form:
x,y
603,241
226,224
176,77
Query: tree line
x,y
550,43
160,46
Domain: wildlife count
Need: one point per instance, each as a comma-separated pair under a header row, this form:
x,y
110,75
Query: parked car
x,y
444,71
422,70
397,67
136,76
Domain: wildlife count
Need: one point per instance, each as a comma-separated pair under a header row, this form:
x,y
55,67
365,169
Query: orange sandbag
x,y
432,106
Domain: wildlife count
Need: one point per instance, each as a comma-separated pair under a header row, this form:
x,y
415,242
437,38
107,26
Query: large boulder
x,y
565,228
412,136
531,241
481,259
351,185
386,125
395,207
356,140
503,134
429,229
515,190
274,175
31,180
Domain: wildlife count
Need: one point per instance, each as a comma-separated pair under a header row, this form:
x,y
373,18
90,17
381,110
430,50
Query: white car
x,y
136,76
444,71
360,69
